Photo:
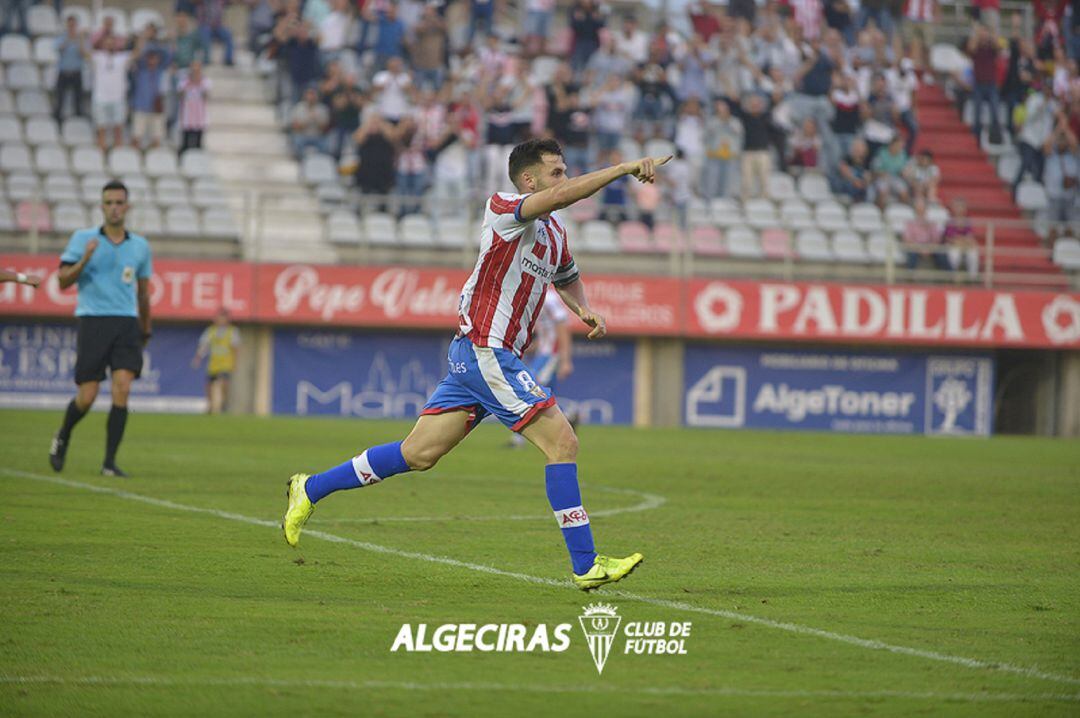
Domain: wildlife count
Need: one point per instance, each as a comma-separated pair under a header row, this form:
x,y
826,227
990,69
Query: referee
x,y
112,267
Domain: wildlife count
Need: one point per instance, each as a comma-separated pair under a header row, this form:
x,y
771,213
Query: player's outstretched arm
x,y
578,188
573,296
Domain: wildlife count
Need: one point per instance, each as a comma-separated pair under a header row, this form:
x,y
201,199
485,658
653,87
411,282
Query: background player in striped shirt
x,y
523,249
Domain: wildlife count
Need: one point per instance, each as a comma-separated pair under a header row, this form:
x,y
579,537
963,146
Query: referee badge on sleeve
x,y
128,275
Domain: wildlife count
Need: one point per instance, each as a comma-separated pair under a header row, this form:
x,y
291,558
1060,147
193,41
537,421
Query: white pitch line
x,y
674,605
252,681
647,503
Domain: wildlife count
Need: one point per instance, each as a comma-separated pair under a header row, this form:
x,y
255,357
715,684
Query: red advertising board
x,y
415,297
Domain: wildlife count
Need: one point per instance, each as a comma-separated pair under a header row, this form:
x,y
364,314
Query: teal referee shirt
x,y
108,281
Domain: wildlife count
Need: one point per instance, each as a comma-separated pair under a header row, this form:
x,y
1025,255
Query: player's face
x,y
114,206
550,172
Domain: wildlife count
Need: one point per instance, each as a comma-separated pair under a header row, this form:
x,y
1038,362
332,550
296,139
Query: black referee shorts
x,y
113,342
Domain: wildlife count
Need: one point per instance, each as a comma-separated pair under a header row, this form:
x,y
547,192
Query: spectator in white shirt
x,y
109,96
632,42
334,31
394,87
309,120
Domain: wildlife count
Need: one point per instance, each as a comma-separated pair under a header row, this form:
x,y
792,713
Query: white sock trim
x,y
364,472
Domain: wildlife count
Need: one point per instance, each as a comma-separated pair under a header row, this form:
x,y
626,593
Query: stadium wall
x,y
369,341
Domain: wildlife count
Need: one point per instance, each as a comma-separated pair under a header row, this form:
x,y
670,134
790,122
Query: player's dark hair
x,y
530,153
115,184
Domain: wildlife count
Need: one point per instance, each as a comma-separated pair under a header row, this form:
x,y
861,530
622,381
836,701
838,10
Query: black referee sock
x,y
71,418
114,433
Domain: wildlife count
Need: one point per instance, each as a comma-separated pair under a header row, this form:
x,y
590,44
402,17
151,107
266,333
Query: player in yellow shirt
x,y
221,341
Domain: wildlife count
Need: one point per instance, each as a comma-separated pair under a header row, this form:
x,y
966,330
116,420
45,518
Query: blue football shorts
x,y
488,380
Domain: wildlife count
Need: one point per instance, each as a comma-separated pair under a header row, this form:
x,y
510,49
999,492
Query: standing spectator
x,y
983,48
656,100
922,239
189,43
840,16
194,93
988,12
390,36
923,176
393,87
221,342
961,245
483,18
345,108
260,26
611,113
15,10
690,136
148,99
411,167
881,116
537,24
903,83
613,198
805,146
723,142
1062,174
71,50
677,183
808,15
756,158
103,36
852,176
1019,74
375,153
876,11
1073,27
211,17
632,42
109,95
813,81
586,22
568,119
606,62
428,47
647,197
848,110
301,55
1038,126
921,16
334,31
889,164
308,123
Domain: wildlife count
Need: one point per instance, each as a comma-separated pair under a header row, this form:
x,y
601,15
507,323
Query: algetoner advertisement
x,y
838,391
389,376
37,369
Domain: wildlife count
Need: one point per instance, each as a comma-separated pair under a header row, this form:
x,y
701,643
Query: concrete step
x,y
255,141
240,88
225,113
237,169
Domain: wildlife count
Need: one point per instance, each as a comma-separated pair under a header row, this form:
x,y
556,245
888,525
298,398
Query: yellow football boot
x,y
607,570
299,510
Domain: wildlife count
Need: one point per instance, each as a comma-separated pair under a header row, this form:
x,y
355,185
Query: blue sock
x,y
565,498
370,467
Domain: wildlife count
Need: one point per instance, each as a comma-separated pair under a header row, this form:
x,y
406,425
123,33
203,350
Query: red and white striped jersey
x,y
518,260
552,315
921,10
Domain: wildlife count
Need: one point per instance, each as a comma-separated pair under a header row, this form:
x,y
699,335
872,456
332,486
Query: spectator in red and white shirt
x,y
809,16
194,93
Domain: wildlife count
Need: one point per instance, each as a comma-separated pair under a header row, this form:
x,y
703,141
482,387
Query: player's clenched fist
x,y
644,170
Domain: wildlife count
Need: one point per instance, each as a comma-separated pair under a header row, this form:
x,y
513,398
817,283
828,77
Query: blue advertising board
x,y
37,369
838,391
380,375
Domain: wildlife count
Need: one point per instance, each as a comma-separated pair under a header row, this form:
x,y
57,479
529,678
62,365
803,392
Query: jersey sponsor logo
x,y
537,270
571,517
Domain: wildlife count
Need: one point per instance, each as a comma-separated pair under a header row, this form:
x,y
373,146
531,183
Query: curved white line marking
x,y
648,502
540,581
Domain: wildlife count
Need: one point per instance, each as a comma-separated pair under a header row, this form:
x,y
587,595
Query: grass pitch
x,y
824,575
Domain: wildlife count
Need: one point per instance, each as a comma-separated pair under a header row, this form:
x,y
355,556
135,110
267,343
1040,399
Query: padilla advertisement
x,y
838,391
37,369
389,376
